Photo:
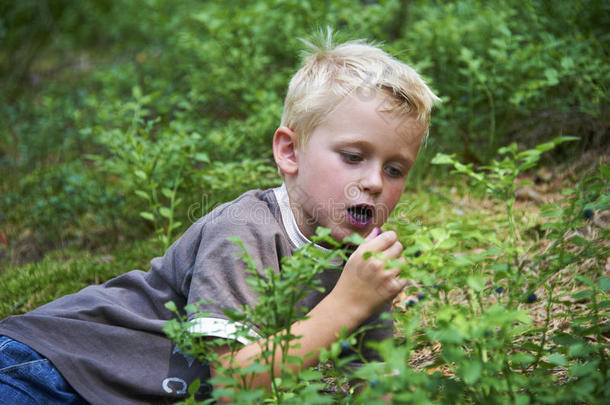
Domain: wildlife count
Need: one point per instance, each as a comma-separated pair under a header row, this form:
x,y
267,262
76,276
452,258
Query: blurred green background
x,y
124,119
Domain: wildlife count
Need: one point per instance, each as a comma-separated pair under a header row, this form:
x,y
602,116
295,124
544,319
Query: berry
x,y
373,383
345,345
421,296
410,303
499,290
531,298
589,213
417,253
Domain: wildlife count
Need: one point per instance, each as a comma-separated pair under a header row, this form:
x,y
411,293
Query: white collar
x,y
296,237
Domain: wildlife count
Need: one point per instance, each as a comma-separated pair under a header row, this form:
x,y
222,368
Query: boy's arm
x,y
363,288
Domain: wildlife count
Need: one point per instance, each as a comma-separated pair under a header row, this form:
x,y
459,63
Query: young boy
x,y
353,122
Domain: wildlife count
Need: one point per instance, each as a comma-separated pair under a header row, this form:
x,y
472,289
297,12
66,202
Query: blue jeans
x,y
28,378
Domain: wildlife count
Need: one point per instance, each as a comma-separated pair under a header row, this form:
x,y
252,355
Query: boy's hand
x,y
366,285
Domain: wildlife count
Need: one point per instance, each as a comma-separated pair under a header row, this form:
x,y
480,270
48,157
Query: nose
x,y
372,179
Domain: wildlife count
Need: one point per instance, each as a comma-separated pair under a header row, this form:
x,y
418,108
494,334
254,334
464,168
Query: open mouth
x,y
360,215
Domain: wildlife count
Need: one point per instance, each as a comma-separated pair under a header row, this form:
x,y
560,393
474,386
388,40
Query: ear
x,y
284,150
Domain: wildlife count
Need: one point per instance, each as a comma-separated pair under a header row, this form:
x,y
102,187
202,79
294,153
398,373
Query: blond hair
x,y
331,73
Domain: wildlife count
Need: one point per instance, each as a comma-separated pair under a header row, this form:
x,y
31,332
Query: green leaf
x,y
529,346
565,339
447,244
234,315
147,215
604,283
561,139
136,92
500,267
522,399
253,368
171,306
582,295
165,212
556,359
579,350
477,283
354,239
579,240
523,359
580,370
141,174
167,192
202,157
543,147
551,76
442,159
512,149
439,234
194,387
293,360
585,280
471,371
142,194
567,63
446,335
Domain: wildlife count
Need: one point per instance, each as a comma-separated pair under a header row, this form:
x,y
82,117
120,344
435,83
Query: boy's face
x,y
352,171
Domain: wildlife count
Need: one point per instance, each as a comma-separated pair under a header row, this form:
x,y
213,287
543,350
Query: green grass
x,y
66,271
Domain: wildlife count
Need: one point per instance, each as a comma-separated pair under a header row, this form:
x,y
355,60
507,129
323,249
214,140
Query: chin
x,y
338,235
341,234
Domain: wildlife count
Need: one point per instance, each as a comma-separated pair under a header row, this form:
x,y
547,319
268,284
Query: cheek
x,y
392,197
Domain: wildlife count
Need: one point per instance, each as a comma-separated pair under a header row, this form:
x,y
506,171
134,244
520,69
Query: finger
x,y
400,284
380,242
393,286
394,273
393,251
373,234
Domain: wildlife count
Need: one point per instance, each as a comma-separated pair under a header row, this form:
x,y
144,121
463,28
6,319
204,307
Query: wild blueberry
x,y
421,296
499,290
531,298
410,303
345,345
417,253
373,383
521,102
589,213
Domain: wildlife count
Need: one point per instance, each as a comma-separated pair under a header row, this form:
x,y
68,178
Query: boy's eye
x,y
394,171
351,157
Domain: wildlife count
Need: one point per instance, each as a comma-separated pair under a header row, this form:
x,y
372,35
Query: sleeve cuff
x,y
222,328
